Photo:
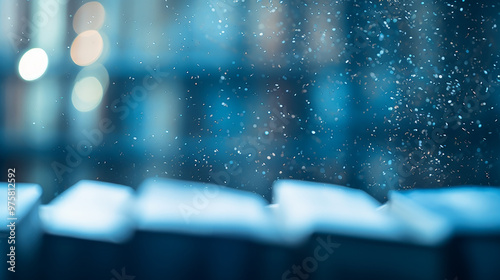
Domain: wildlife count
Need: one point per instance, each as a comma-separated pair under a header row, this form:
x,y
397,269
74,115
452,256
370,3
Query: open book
x,y
474,215
20,231
172,229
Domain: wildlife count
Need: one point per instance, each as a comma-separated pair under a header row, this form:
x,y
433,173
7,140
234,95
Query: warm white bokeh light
x,y
33,64
98,71
87,48
90,16
87,94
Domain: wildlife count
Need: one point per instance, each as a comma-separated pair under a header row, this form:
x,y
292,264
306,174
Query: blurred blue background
x,y
376,95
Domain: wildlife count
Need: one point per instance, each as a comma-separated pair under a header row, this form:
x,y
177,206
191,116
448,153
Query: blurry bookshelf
x,y
375,95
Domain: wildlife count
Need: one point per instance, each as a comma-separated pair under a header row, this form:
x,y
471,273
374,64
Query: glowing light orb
x,y
98,71
87,48
87,94
89,16
33,64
